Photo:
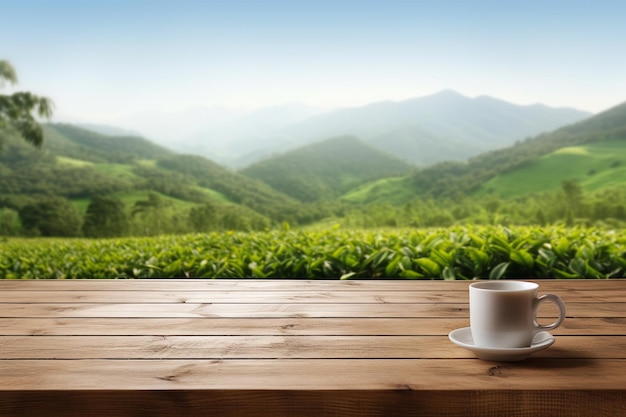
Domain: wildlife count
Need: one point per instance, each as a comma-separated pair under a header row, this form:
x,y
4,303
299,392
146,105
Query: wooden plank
x,y
337,326
280,347
227,284
279,310
241,326
285,285
322,374
274,297
233,310
313,403
254,297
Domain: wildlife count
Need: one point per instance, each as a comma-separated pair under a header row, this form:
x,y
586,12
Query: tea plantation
x,y
469,252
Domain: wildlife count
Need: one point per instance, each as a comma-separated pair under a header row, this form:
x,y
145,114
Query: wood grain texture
x,y
320,374
180,284
312,403
434,310
279,297
279,347
295,348
336,326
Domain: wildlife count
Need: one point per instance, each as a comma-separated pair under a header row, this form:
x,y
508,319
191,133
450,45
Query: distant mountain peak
x,y
445,125
448,92
327,168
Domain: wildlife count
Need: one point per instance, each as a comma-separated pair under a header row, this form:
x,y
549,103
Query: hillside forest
x,y
83,183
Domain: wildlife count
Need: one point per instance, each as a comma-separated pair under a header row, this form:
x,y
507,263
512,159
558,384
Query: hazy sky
x,y
99,59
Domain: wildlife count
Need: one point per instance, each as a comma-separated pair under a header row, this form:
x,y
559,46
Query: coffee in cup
x,y
503,314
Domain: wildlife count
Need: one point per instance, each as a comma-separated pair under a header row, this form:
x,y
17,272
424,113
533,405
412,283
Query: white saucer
x,y
463,337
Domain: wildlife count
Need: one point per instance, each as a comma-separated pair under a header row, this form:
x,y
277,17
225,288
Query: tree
x,y
152,211
9,223
105,217
202,218
51,216
573,196
16,110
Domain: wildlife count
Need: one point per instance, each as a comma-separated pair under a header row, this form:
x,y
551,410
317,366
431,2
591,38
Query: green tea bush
x,y
486,252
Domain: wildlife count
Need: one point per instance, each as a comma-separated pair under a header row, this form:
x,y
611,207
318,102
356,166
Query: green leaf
x,y
563,274
521,257
409,274
579,267
448,273
430,267
478,241
562,246
501,242
348,275
547,254
440,257
406,263
480,258
499,271
392,268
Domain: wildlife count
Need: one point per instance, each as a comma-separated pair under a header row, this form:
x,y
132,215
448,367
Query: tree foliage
x,y
240,189
16,110
50,216
203,218
105,217
9,222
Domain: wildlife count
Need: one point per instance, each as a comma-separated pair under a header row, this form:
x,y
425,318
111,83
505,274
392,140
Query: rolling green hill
x,y
594,166
72,141
327,169
451,179
78,164
342,180
393,190
590,152
236,187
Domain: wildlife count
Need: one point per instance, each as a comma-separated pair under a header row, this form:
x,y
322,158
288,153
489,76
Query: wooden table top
x,y
295,348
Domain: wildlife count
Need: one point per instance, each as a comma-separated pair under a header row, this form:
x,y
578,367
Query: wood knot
x,y
498,370
169,378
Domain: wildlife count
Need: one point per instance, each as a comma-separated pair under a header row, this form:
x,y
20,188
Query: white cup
x,y
503,314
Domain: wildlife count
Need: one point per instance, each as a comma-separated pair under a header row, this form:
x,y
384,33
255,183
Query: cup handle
x,y
556,300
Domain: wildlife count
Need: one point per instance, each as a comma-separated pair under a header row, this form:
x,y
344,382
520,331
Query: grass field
x,y
123,170
129,199
74,163
216,195
595,166
396,190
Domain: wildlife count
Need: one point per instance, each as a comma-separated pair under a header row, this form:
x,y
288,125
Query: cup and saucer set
x,y
503,324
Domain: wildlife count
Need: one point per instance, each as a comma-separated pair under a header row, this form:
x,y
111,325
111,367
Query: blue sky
x,y
100,60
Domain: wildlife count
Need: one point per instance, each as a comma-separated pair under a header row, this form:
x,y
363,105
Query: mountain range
x,y
591,152
426,130
311,182
422,131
